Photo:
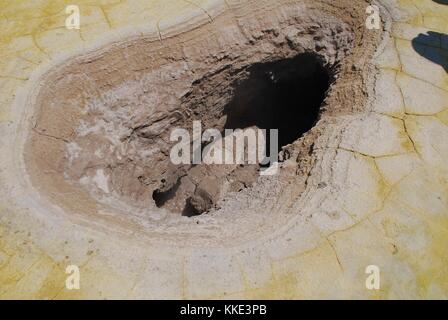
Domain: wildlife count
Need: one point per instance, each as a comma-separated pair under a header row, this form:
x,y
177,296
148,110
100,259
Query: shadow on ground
x,y
433,46
441,1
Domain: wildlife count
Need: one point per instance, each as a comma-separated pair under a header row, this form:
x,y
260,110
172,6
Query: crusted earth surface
x,y
86,178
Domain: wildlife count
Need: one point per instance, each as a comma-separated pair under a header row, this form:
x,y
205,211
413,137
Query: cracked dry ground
x,y
85,115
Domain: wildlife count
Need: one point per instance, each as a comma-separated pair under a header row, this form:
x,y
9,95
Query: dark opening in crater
x,y
284,95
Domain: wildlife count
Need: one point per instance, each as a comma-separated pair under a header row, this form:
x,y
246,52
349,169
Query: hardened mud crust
x,y
98,143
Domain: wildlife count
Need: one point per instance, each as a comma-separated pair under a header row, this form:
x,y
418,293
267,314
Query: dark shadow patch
x,y
286,95
441,1
189,210
432,46
161,197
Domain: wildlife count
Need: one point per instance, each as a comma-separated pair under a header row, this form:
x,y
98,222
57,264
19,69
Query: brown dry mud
x,y
99,142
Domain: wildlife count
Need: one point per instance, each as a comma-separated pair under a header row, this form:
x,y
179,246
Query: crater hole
x,y
286,95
